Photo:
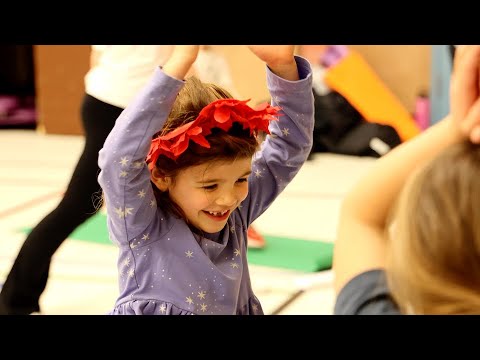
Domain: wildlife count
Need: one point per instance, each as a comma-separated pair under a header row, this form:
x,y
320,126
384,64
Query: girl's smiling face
x,y
210,192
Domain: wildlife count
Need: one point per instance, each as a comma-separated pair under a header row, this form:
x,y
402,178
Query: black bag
x,y
341,129
368,139
334,117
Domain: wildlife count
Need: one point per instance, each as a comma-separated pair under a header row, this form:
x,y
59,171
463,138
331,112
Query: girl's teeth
x,y
217,213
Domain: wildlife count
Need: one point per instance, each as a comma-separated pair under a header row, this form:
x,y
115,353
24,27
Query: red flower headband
x,y
218,114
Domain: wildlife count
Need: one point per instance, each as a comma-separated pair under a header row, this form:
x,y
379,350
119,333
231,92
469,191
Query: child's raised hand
x,y
272,54
279,58
465,91
180,61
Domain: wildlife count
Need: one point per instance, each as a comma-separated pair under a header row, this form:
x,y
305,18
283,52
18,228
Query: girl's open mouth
x,y
217,215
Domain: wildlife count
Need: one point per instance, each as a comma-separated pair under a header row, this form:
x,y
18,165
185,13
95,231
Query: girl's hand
x,y
465,92
181,60
279,58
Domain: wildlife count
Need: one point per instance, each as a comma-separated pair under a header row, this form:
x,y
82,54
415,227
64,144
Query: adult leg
x,y
29,274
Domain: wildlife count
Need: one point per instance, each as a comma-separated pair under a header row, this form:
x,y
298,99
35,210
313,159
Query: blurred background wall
x,y
59,72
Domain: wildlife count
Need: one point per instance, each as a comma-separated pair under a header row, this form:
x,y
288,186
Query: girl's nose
x,y
227,199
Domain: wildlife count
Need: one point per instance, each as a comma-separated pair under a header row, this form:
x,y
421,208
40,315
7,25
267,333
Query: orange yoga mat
x,y
354,79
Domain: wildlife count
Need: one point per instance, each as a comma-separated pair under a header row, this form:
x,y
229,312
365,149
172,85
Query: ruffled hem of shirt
x,y
252,308
148,307
156,307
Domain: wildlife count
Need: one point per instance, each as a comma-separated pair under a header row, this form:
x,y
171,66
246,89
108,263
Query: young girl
x,y
181,221
426,259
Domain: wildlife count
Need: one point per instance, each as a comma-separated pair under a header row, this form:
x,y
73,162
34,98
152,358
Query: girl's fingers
x,y
475,135
465,81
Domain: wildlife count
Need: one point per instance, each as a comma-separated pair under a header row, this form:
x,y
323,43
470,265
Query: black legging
x,y
29,274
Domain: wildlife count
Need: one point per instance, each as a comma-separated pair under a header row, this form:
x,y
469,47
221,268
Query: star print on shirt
x,y
203,307
201,294
189,254
120,213
141,193
124,161
285,131
163,308
237,252
138,164
123,173
152,203
146,236
258,173
234,265
189,300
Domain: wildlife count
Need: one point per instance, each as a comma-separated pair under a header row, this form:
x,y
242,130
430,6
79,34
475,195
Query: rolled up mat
x,y
356,81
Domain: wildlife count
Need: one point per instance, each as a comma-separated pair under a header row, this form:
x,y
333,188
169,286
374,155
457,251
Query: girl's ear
x,y
160,180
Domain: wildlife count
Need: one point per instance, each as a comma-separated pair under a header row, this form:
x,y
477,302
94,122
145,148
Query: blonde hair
x,y
433,262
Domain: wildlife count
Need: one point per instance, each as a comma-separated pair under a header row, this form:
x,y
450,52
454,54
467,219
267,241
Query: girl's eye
x,y
242,180
210,187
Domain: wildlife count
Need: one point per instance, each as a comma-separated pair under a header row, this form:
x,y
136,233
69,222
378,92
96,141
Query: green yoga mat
x,y
294,254
280,252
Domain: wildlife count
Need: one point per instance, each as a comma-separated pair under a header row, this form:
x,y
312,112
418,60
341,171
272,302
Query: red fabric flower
x,y
218,114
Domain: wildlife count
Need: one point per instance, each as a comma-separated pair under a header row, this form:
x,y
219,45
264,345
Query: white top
x,y
122,70
211,67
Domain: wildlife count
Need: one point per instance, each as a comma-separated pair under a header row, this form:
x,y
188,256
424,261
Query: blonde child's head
x,y
434,243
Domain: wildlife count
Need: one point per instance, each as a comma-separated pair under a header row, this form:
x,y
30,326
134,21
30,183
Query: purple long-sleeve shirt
x,y
163,267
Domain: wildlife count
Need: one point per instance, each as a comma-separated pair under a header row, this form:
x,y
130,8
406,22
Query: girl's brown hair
x,y
434,249
224,146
